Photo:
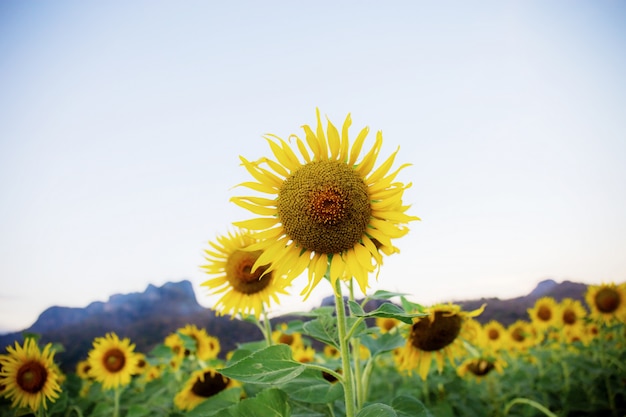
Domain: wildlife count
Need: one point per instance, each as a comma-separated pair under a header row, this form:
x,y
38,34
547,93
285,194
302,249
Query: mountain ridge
x,y
148,317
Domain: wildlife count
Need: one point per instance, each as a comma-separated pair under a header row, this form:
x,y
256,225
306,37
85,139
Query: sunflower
x,y
437,336
303,354
493,336
607,302
521,336
544,314
283,335
479,368
386,324
113,361
29,376
82,369
242,290
206,347
326,211
572,314
201,385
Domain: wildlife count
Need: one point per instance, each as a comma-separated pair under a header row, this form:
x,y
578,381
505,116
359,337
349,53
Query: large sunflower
x,y
113,361
437,336
243,291
326,211
607,302
29,376
572,314
201,385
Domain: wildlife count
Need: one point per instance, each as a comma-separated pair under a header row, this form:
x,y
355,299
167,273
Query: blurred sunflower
x,y
478,368
82,369
242,290
545,313
328,213
29,376
304,354
607,302
112,361
520,336
206,347
438,335
572,315
201,385
282,334
493,336
387,324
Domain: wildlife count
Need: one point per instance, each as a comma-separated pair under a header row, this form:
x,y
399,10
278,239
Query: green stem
x,y
267,325
75,409
116,402
329,371
528,402
348,388
356,351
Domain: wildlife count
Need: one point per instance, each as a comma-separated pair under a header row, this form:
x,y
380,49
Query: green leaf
x,y
386,342
320,311
410,306
385,295
272,365
389,310
324,329
138,410
217,403
355,308
268,403
408,406
377,410
311,387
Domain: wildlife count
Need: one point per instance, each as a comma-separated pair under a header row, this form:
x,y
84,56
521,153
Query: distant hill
x,y
148,317
509,310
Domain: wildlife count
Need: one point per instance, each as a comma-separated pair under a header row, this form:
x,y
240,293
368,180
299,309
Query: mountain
x,y
509,310
148,317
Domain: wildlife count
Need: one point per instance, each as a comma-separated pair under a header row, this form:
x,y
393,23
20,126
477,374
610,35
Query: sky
x,y
122,122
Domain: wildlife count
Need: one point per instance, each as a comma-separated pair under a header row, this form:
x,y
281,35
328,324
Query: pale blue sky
x,y
121,124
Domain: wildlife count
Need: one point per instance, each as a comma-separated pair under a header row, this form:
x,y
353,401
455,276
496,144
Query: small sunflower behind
x,y
521,336
607,302
112,361
29,376
437,336
479,368
201,385
243,290
571,316
322,209
493,336
206,347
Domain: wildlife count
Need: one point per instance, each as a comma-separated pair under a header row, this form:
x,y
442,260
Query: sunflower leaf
x,y
377,410
408,406
383,343
216,404
324,329
268,403
385,295
389,311
311,387
272,365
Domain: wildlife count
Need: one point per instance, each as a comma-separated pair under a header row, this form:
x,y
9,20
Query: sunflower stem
x,y
267,325
356,349
116,402
348,387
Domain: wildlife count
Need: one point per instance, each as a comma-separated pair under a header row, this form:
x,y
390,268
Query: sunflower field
x,y
327,214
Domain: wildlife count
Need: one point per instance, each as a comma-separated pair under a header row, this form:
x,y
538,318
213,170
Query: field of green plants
x,y
530,368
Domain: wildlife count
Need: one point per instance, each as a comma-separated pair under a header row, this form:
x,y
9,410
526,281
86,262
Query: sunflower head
x,y
572,313
544,314
28,375
205,347
478,368
243,288
201,385
607,302
112,361
328,210
435,336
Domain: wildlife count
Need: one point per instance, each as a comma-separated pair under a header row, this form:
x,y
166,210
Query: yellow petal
x,y
366,165
258,223
302,148
260,174
383,169
333,140
356,146
264,188
385,182
321,138
256,209
345,142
